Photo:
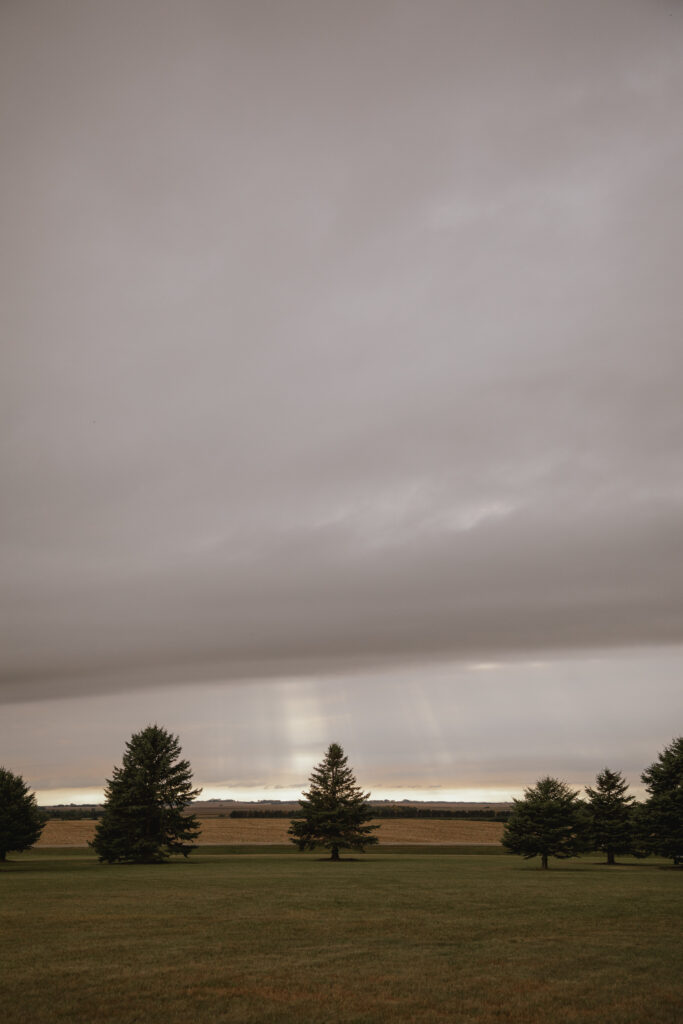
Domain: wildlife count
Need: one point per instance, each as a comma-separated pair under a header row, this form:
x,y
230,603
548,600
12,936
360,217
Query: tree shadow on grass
x,y
45,867
342,860
640,866
590,868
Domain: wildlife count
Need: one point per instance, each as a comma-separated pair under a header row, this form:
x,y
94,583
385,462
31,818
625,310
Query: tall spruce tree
x,y
660,819
334,809
145,800
549,822
21,823
610,813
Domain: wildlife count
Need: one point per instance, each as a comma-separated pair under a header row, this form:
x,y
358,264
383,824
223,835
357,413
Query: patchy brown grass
x,y
234,831
383,939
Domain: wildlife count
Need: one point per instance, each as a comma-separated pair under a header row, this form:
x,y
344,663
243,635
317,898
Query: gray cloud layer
x,y
337,334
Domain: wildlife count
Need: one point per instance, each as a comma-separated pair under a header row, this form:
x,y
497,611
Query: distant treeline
x,y
71,813
381,811
398,811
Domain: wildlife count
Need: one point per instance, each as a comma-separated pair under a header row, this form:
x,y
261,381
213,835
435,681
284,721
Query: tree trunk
x,y
2,854
544,861
610,856
335,853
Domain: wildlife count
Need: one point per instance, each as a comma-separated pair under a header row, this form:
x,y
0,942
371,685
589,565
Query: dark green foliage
x,y
549,822
21,822
143,820
334,810
660,820
666,773
71,813
611,814
401,810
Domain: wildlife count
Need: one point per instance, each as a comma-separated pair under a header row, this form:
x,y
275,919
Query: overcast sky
x,y
342,388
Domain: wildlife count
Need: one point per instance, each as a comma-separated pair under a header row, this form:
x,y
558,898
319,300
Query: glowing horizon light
x,y
57,797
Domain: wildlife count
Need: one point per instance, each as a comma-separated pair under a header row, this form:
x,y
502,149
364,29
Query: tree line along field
x,y
376,939
273,831
145,817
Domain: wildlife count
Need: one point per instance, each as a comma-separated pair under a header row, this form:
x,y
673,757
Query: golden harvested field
x,y
230,831
446,832
67,833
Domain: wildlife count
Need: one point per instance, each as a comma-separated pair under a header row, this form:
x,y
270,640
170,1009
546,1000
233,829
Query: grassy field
x,y
275,939
232,831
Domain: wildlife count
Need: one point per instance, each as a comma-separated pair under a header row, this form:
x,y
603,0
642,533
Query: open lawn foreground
x,y
385,938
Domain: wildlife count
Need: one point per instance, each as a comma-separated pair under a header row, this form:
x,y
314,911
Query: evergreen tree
x,y
661,818
20,820
549,822
611,814
334,810
144,820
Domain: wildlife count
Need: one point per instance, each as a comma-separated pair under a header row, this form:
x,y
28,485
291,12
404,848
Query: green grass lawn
x,y
279,938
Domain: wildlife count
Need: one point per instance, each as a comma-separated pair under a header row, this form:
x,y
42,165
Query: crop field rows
x,y
233,831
